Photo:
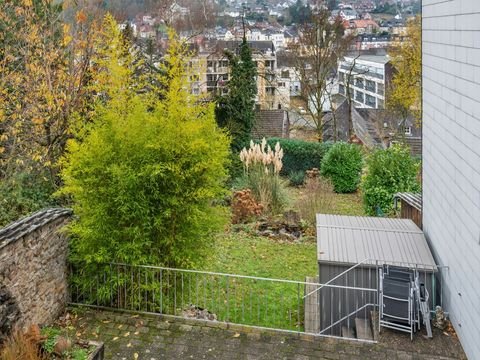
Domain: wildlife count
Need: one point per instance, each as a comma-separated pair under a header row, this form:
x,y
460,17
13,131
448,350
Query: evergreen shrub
x,y
387,172
300,155
343,166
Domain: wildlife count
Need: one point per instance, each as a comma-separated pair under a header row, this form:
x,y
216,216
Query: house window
x,y
408,130
270,64
270,90
359,83
370,101
380,104
359,96
341,89
380,88
370,85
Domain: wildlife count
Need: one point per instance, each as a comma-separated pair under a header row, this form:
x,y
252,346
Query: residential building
x,y
378,128
345,14
212,67
368,77
147,32
451,157
362,26
372,41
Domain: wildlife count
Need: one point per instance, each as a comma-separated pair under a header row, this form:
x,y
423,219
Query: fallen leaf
x,y
127,334
115,338
137,332
129,345
106,321
120,326
236,335
135,356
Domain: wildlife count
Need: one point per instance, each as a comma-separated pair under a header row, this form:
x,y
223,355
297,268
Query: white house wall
x,y
451,156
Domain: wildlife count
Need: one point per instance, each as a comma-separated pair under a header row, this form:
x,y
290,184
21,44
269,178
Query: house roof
x,y
362,23
354,239
270,123
234,45
379,59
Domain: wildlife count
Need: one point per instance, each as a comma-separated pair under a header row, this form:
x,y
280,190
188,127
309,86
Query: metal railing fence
x,y
245,300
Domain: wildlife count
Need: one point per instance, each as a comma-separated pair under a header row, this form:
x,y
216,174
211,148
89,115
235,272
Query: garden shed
x,y
365,243
410,206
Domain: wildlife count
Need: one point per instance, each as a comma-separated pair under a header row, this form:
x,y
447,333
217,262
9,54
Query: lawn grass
x,y
246,254
260,302
348,204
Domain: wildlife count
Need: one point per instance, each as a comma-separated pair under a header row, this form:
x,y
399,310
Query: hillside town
x,y
274,33
239,179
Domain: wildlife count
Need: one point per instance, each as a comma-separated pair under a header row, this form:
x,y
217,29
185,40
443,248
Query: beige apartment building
x,y
211,72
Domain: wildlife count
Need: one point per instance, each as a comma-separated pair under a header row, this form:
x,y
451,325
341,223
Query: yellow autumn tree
x,y
404,94
45,52
44,63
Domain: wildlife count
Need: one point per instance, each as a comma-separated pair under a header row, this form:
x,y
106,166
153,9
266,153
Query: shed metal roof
x,y
353,239
413,199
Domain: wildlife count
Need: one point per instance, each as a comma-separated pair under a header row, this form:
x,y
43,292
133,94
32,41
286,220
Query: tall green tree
x,y
145,175
236,110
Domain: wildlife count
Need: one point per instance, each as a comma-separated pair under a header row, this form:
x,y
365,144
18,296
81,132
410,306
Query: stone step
x,y
364,329
348,332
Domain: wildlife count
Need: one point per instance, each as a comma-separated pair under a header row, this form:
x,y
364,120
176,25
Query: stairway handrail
x,y
336,277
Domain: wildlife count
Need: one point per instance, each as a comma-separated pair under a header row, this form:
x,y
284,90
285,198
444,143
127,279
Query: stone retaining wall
x,y
33,269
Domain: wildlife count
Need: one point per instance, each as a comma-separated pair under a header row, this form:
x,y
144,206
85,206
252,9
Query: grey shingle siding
x,y
451,155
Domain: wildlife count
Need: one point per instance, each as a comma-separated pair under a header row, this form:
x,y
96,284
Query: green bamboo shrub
x,y
146,177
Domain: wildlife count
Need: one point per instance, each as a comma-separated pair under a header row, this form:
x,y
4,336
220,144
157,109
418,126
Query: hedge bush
x,y
388,172
299,155
343,166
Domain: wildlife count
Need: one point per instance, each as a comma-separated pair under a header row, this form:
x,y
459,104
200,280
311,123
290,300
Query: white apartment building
x,y
368,77
451,157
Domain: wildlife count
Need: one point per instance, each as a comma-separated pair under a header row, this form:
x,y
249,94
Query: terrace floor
x,y
128,336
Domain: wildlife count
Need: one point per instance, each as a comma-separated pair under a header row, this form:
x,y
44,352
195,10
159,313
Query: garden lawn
x,y
254,301
262,302
245,254
348,204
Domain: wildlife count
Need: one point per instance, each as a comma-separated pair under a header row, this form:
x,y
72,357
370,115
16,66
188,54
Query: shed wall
x,y
334,303
407,211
